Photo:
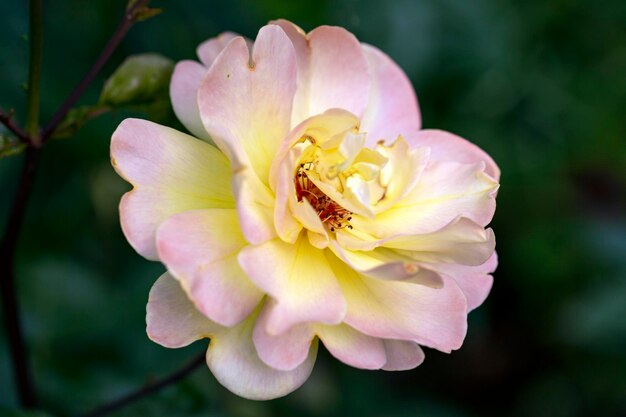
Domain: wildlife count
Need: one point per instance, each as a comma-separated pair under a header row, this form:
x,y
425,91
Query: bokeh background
x,y
539,84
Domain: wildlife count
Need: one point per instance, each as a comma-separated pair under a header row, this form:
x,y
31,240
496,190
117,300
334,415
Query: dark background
x,y
540,85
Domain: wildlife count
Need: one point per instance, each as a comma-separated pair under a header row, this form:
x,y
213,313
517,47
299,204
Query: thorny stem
x,y
10,304
130,17
6,119
148,389
21,369
32,138
34,72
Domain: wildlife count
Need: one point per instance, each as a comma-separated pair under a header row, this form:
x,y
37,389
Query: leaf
x,y
10,145
76,118
139,80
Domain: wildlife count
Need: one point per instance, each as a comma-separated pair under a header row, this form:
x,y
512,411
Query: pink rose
x,y
309,206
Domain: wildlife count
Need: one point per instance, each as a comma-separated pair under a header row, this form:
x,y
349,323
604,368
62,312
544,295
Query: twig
x,y
7,120
130,17
10,308
10,304
148,389
34,72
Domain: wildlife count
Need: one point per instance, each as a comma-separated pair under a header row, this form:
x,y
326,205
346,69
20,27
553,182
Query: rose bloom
x,y
307,206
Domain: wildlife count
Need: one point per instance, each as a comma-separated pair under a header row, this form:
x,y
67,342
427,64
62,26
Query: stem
x,y
7,120
34,72
10,306
130,17
148,389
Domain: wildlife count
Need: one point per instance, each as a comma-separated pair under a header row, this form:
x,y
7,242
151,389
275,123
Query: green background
x,y
540,85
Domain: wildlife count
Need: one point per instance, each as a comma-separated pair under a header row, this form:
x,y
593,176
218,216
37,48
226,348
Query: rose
x,y
322,213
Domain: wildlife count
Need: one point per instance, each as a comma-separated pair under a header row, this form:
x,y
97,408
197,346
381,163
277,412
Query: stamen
x,y
329,211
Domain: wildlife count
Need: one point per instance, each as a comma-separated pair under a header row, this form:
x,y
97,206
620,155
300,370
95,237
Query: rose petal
x,y
255,206
402,355
233,360
392,107
402,310
171,318
461,242
444,192
474,281
183,92
285,351
208,50
299,278
171,173
332,71
200,249
352,347
247,110
447,147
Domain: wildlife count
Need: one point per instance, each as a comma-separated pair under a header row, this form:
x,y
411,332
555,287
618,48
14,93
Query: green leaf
x,y
10,145
140,80
76,118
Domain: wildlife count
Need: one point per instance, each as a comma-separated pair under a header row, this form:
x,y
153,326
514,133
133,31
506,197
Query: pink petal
x,y
387,265
172,320
447,147
352,347
285,351
200,249
460,242
402,355
255,206
332,71
233,360
171,173
445,191
183,91
299,278
392,108
247,110
339,76
208,50
402,310
474,281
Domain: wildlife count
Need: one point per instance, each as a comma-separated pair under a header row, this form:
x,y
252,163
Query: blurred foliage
x,y
538,84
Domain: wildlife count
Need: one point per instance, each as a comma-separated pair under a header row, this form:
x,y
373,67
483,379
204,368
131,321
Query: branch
x,y
6,119
132,15
10,308
150,388
34,72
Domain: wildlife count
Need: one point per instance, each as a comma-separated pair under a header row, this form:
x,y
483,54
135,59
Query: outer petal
x,y
233,360
392,108
247,110
171,173
333,71
339,76
172,320
403,310
402,355
200,249
299,278
208,50
474,281
184,94
285,351
352,347
445,146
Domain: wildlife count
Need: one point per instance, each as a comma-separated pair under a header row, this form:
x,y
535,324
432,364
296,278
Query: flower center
x,y
329,211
